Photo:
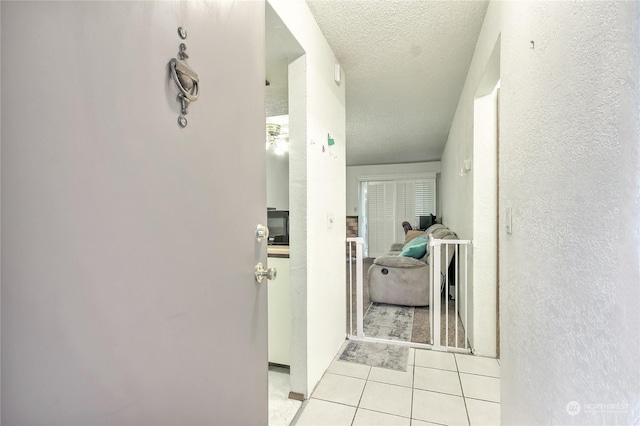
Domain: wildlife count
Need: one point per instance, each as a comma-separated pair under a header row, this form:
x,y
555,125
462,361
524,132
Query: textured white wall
x,y
569,167
323,194
355,172
298,222
570,170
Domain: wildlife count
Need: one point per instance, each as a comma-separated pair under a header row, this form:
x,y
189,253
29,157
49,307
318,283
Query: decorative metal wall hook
x,y
186,81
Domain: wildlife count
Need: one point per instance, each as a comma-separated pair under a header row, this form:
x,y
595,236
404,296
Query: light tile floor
x,y
437,388
281,409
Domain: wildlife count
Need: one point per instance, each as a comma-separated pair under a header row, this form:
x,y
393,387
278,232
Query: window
x,y
389,203
425,197
380,212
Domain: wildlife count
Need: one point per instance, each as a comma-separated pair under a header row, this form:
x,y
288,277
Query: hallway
x,y
437,387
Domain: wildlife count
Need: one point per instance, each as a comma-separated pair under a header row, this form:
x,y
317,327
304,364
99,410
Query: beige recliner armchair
x,y
400,280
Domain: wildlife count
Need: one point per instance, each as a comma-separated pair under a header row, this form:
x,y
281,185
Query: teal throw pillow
x,y
415,248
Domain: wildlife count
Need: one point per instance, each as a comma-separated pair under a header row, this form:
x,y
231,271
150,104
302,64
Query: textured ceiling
x,y
405,64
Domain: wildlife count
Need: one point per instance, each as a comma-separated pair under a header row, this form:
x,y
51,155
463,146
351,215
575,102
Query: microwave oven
x,y
278,224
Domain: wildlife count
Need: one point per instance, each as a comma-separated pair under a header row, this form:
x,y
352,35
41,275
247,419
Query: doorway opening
x,y
480,266
282,49
483,327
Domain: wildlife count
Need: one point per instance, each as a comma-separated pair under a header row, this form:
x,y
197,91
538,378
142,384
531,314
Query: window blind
x,y
425,197
389,203
380,217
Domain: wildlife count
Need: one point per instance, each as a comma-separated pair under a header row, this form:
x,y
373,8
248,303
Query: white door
x,y
128,243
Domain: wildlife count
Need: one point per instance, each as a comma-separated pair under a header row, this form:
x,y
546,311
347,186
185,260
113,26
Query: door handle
x,y
262,273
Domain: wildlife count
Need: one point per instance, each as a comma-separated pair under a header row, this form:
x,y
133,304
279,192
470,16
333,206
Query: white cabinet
x,y
279,313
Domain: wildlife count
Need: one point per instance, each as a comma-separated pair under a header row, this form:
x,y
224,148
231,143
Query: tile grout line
x,y
391,384
457,371
481,375
464,400
413,389
367,379
435,368
360,399
385,413
440,392
483,400
345,375
332,402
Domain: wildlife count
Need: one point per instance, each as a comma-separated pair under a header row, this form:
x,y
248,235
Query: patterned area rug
x,y
384,322
376,355
391,322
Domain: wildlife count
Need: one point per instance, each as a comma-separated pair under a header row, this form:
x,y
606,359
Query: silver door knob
x,y
262,232
262,273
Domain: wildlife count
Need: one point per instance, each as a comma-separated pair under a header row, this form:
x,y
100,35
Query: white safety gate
x,y
454,291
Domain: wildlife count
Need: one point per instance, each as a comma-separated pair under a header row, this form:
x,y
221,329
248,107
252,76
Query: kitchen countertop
x,y
277,251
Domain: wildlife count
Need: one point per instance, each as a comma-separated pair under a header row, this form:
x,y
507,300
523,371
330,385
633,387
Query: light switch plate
x,y
329,220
